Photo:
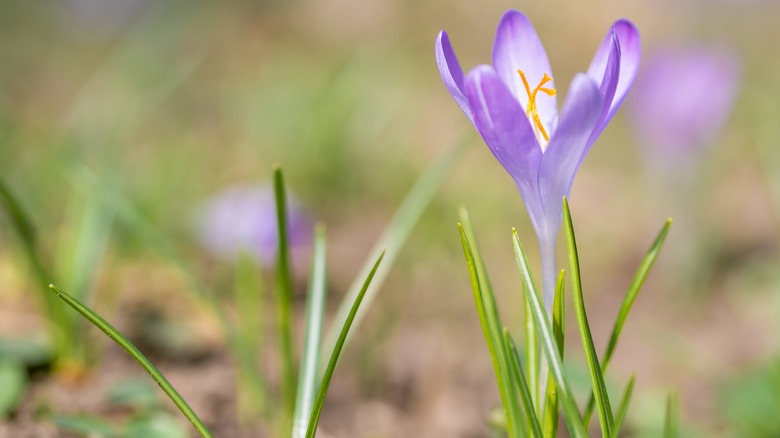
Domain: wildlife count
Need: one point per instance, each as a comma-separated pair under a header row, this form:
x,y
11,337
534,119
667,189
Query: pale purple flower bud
x,y
243,219
681,100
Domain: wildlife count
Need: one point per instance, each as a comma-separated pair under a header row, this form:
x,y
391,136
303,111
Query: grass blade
x,y
522,386
394,237
623,408
571,414
139,357
24,228
81,252
319,402
315,309
491,326
550,422
150,236
248,292
284,297
21,222
594,369
671,420
633,290
628,302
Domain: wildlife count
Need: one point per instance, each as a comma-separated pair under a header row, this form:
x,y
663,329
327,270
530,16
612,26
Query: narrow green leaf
x,y
315,309
571,414
492,327
559,317
80,254
25,229
248,295
284,310
671,419
633,290
628,302
319,402
623,408
150,236
393,238
522,385
20,220
85,246
594,369
139,357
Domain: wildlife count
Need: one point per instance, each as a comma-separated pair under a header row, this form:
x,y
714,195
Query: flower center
x,y
531,111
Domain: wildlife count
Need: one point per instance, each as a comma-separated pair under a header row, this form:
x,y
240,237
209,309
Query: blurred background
x,y
171,102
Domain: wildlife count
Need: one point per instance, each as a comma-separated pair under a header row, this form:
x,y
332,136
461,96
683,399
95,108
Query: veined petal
x,y
567,147
501,121
451,73
605,70
628,54
517,46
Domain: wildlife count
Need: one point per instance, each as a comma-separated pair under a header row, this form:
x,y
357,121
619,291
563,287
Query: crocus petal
x,y
517,46
605,70
451,73
501,121
629,54
564,154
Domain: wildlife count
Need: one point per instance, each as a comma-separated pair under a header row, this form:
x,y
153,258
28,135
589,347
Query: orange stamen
x,y
531,111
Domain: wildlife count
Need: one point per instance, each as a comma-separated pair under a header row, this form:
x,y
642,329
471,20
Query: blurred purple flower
x,y
540,149
681,101
243,218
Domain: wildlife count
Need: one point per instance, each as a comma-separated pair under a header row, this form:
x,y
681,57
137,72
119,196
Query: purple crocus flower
x,y
243,219
513,106
681,100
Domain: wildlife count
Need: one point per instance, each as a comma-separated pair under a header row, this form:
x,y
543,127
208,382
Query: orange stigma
x,y
531,110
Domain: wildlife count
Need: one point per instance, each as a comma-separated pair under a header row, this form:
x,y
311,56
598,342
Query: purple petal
x,y
517,46
243,219
567,147
503,125
605,70
451,73
628,54
681,100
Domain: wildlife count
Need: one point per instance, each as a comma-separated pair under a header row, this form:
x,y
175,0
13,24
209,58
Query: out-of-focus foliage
x,y
168,102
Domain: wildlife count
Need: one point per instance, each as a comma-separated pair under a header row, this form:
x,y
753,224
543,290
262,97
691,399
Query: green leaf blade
x,y
491,326
628,301
671,419
315,310
623,407
525,393
571,414
594,368
319,402
139,357
284,307
550,420
394,237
